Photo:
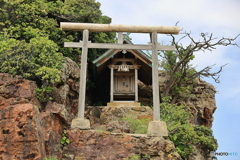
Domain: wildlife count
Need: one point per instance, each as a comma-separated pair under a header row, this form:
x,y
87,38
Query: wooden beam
x,y
118,46
83,73
136,84
124,74
115,60
111,84
155,82
93,27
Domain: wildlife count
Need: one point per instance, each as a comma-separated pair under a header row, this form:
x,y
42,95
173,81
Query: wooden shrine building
x,y
117,73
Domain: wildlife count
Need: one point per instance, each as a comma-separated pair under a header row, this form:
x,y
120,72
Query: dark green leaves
x,y
39,58
31,41
183,134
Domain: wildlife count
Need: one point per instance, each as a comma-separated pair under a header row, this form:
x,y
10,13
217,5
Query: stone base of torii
x,y
156,127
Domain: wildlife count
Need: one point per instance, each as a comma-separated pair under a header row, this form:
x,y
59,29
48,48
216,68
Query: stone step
x,y
123,104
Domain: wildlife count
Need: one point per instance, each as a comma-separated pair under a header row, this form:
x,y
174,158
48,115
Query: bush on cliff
x,y
37,59
183,134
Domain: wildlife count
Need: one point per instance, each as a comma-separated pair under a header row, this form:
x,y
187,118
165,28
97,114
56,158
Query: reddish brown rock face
x,y
92,145
24,132
203,104
21,136
52,129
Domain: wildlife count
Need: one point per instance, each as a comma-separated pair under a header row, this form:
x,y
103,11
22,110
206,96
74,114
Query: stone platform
x,y
123,104
110,118
106,114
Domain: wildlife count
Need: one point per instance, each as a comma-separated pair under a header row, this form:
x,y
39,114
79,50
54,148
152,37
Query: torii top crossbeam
x,y
67,26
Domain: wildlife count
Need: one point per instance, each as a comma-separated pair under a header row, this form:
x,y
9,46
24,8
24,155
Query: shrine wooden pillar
x,y
136,84
111,83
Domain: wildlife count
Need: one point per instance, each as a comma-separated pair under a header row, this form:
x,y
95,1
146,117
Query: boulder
x,y
104,145
21,135
25,132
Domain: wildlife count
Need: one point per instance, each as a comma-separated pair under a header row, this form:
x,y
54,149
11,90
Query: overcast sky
x,y
220,17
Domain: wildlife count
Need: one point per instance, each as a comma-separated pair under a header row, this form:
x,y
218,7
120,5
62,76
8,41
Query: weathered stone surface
x,y
199,154
80,123
123,104
99,145
21,135
157,129
59,110
202,103
118,126
67,90
16,90
52,129
115,113
61,94
25,133
70,70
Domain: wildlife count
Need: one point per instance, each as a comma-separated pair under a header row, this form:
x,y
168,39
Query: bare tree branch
x,y
179,70
177,23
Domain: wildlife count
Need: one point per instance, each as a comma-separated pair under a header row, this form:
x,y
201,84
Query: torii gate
x,y
82,123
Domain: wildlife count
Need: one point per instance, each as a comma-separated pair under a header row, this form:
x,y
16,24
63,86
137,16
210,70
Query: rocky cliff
x,y
33,130
27,133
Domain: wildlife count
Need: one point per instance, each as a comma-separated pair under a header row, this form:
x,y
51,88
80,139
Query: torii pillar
x,y
156,127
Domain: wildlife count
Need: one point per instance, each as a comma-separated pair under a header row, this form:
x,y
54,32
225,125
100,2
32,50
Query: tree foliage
x,y
37,59
32,41
183,134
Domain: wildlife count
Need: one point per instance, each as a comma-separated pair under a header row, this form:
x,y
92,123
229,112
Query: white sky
x,y
220,17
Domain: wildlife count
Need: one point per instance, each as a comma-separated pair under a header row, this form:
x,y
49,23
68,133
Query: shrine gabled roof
x,y
111,52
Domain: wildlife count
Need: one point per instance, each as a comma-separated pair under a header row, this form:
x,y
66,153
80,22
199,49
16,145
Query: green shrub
x,y
64,140
37,59
183,134
44,93
134,157
137,157
50,158
136,125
